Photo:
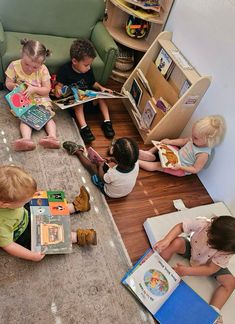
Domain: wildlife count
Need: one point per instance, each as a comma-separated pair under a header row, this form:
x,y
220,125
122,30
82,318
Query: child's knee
x,y
179,244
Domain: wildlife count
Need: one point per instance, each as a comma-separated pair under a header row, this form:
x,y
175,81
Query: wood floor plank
x,y
154,191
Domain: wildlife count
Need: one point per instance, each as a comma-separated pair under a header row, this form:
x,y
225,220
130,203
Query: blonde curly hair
x,y
212,127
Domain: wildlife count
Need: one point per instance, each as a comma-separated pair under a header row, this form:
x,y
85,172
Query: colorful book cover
x,y
160,289
163,62
168,154
148,114
136,92
26,109
79,97
50,223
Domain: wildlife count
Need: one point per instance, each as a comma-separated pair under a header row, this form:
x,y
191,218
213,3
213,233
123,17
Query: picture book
x,y
50,223
136,92
161,290
168,154
163,105
74,96
144,82
94,156
186,85
26,109
148,114
163,62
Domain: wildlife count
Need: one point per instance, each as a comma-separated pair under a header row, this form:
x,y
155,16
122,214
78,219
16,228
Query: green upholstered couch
x,y
56,23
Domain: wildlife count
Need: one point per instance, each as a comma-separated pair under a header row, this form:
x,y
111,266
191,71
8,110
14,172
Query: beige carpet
x,y
82,287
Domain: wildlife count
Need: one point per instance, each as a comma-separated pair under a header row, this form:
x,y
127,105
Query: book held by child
x,y
94,156
50,223
26,109
72,96
168,154
161,290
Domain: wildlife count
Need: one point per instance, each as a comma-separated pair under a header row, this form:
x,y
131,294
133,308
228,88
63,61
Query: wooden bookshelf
x,y
172,123
118,13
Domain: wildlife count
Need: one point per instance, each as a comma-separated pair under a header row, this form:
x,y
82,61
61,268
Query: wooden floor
x,y
154,191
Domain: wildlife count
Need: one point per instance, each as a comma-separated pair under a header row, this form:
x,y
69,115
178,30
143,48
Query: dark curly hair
x,y
221,234
126,152
82,48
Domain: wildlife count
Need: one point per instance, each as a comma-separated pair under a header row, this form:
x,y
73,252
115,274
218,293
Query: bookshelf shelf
x,y
118,13
171,123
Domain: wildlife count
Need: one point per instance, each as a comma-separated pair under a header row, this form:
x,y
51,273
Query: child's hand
x,y
29,91
161,245
110,159
37,256
103,89
58,91
176,166
166,141
181,269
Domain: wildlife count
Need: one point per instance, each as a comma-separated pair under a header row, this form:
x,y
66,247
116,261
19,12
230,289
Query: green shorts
x,y
187,255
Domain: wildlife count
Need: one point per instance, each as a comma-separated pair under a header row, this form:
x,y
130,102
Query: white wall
x,y
205,33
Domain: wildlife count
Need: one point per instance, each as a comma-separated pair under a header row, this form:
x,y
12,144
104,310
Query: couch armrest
x,y
2,40
106,48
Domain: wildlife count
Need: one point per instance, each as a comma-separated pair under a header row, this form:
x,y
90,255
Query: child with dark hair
x,y
211,245
79,71
117,181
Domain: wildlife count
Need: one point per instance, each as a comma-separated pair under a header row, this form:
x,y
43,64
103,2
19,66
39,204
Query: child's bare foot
x,y
49,142
23,144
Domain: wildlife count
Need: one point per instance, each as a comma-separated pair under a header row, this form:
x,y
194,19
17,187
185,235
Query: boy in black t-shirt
x,y
79,71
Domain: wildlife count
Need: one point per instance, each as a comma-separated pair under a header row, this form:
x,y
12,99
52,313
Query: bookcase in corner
x,y
173,87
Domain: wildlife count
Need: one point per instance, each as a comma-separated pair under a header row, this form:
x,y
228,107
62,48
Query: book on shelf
x,y
162,291
163,105
148,114
153,5
141,12
185,86
50,223
26,109
77,97
144,82
164,63
168,154
136,92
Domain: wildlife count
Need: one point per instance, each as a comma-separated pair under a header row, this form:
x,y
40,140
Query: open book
x,y
168,154
168,298
77,97
50,223
26,109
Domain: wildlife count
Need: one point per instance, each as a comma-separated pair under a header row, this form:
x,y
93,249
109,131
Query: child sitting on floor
x,y
79,71
211,245
117,181
194,151
16,189
30,69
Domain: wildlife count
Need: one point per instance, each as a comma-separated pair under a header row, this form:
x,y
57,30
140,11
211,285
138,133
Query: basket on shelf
x,y
125,59
136,27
